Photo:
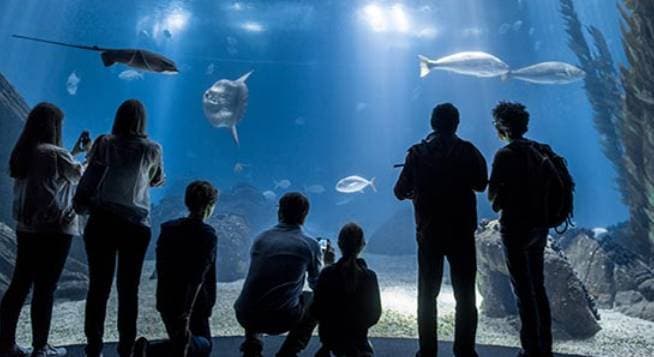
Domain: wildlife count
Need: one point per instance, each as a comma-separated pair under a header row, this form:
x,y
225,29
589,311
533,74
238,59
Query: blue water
x,y
333,93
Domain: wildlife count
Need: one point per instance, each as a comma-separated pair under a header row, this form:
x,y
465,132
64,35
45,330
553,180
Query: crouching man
x,y
272,300
186,273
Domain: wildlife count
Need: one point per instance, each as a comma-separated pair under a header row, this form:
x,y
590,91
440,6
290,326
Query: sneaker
x,y
140,347
15,351
49,351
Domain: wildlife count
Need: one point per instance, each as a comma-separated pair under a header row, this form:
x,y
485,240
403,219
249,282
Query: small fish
x,y
224,103
130,75
548,73
283,184
167,33
475,63
315,189
135,58
344,201
240,167
72,83
210,69
300,121
269,195
355,183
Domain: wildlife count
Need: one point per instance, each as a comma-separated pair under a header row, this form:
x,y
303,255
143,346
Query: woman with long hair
x,y
45,175
117,234
346,300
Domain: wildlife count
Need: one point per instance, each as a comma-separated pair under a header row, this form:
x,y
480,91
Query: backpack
x,y
435,176
551,187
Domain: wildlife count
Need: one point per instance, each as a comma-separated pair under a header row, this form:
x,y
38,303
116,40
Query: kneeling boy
x,y
186,273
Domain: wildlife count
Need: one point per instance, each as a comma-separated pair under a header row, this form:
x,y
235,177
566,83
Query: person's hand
x,y
328,255
83,143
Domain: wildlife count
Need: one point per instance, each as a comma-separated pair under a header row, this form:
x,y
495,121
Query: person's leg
x,y
52,257
518,267
463,270
298,338
200,344
131,253
252,345
536,262
21,282
430,276
101,257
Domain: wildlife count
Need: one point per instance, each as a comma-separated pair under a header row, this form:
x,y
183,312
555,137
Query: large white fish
x,y
224,103
354,183
472,63
548,73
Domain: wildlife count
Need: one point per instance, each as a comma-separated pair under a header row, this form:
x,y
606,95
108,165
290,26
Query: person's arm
x,y
315,265
498,179
373,298
157,176
478,170
198,269
405,185
68,167
317,305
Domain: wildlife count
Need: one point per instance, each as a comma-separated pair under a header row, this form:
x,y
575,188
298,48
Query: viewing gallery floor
x,y
384,347
620,335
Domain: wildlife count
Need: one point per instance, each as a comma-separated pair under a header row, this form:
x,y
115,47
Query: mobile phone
x,y
324,243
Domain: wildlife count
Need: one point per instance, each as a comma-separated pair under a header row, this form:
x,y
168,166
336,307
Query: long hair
x,y
130,119
43,126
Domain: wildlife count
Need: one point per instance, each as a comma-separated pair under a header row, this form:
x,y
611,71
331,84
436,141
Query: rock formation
x,y
397,236
615,277
74,279
573,310
13,111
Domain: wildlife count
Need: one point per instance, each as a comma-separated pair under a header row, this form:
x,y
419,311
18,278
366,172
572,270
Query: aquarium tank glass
x,y
267,97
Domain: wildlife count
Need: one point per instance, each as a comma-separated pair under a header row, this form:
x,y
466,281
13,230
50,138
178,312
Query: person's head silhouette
x,y
511,120
445,119
293,209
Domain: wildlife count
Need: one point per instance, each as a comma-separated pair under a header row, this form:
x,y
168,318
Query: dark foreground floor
x,y
384,347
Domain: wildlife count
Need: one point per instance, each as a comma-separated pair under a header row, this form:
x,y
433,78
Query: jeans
x,y
40,259
297,339
195,339
463,268
113,243
524,253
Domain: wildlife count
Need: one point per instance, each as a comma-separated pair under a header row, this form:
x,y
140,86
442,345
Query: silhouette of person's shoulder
x,y
186,224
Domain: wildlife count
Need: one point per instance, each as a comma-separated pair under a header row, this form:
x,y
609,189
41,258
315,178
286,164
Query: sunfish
x,y
548,73
473,63
355,183
224,103
135,58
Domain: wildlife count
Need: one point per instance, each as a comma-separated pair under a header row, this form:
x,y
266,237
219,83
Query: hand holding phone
x,y
83,143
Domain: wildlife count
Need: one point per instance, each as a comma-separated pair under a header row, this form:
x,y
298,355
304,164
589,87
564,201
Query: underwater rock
x,y
13,111
573,310
611,272
397,236
74,279
233,247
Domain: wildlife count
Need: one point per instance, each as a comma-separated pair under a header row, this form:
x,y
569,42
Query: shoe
x,y
49,351
15,351
140,348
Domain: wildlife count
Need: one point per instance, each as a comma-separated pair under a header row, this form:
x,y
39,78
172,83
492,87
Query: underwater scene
x,y
262,98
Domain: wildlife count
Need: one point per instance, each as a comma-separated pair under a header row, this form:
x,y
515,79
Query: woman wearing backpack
x,y
117,234
45,175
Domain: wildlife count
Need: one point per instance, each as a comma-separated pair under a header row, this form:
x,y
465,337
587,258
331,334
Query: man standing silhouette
x,y
440,176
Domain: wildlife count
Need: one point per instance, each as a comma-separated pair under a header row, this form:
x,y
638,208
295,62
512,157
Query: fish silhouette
x,y
135,58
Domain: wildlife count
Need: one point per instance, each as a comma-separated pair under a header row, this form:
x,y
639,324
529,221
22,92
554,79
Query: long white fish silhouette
x,y
548,73
472,63
354,183
224,103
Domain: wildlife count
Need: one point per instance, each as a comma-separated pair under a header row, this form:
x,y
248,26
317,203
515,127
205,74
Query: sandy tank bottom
x,y
620,335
